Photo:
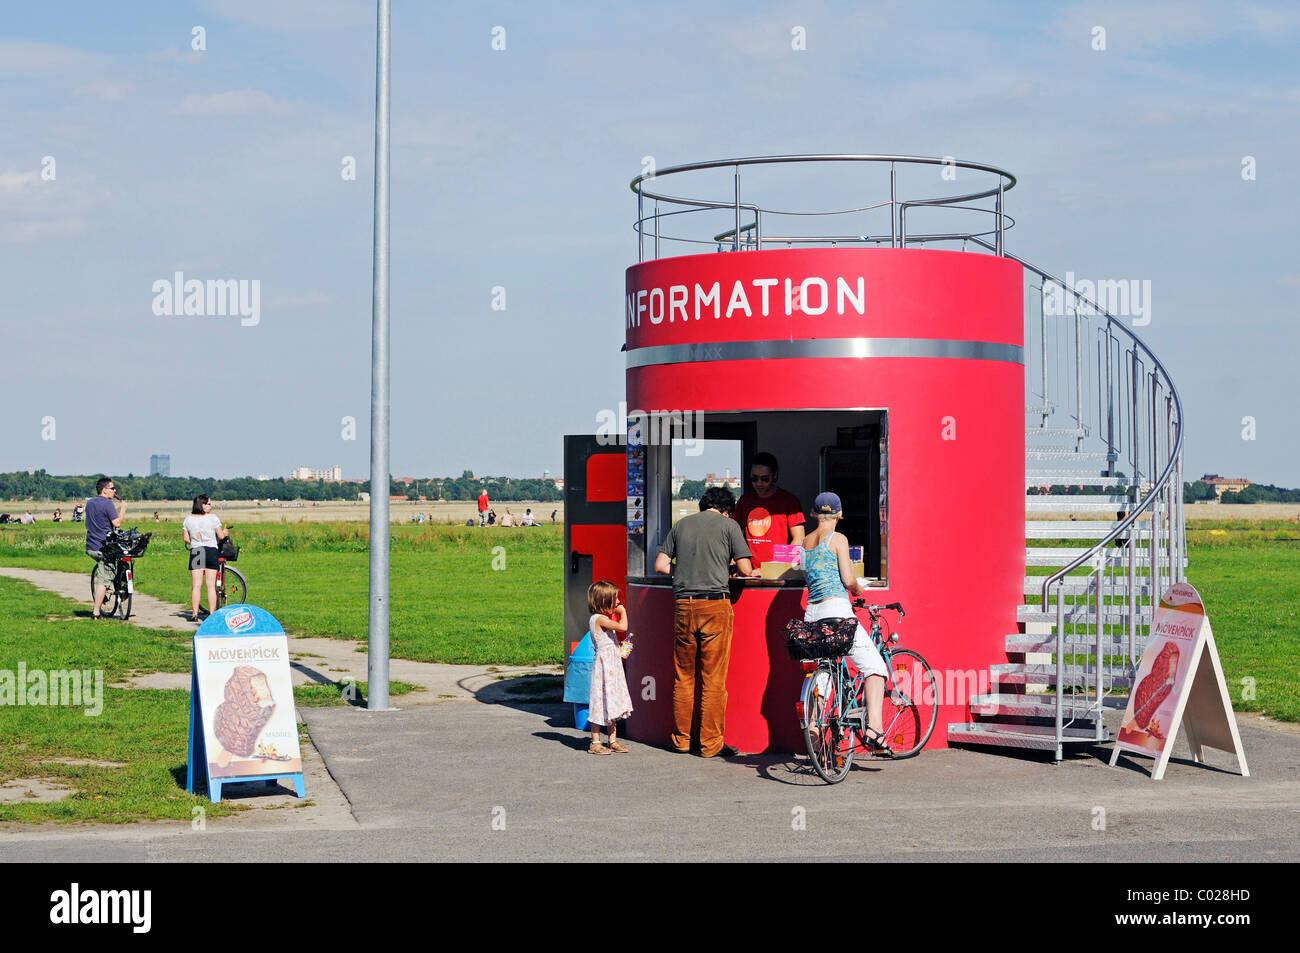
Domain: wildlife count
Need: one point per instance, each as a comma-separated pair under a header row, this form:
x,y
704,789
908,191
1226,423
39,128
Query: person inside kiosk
x,y
768,515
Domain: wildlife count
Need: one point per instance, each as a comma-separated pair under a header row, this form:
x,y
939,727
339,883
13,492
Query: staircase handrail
x,y
1175,451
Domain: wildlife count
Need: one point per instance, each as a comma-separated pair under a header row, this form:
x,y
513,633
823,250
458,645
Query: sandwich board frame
x,y
242,633
1197,699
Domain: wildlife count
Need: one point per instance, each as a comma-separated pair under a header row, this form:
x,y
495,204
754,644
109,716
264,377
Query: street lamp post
x,y
377,660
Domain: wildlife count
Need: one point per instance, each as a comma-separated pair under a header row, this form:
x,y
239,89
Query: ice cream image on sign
x,y
1157,685
248,706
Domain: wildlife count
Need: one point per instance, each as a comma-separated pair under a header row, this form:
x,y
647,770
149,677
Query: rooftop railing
x,y
665,218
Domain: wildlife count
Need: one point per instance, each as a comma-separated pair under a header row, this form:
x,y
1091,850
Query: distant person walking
x,y
553,512
483,508
704,544
102,515
202,531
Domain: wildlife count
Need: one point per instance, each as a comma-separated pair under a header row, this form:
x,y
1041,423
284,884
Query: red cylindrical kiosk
x,y
893,376
923,348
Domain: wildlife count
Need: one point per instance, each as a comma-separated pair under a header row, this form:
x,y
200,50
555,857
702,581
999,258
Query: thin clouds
x,y
293,16
241,102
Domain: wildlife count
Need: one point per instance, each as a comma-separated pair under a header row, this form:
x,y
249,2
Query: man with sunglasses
x,y
102,515
768,515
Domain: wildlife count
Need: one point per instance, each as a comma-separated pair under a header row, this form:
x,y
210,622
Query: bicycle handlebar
x,y
873,610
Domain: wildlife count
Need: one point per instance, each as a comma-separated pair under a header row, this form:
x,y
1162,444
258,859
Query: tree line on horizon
x,y
43,486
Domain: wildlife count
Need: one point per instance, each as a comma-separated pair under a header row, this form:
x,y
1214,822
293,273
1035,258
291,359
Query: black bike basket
x,y
131,543
228,550
826,638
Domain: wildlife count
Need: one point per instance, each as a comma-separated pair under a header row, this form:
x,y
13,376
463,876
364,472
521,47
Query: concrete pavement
x,y
511,782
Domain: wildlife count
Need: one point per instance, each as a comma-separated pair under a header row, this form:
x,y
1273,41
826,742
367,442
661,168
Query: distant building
x,y
332,475
160,464
1222,485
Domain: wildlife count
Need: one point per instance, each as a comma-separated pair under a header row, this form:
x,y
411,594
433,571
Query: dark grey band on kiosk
x,y
824,347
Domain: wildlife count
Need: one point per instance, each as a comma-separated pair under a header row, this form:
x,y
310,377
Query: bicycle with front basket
x,y
232,589
120,550
832,710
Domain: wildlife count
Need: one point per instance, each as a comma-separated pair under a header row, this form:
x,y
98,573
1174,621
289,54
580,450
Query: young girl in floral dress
x,y
609,700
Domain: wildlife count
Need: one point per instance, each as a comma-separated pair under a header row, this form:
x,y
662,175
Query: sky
x,y
128,155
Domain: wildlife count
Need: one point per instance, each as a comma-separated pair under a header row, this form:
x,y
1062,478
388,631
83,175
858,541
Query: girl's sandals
x,y
598,748
618,747
876,742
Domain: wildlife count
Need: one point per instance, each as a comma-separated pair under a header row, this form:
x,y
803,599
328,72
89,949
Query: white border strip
x,y
824,347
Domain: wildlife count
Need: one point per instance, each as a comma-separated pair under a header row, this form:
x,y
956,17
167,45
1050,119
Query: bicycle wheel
x,y
109,608
910,708
235,591
830,743
124,595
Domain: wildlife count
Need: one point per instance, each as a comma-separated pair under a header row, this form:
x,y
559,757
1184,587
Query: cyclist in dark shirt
x,y
102,515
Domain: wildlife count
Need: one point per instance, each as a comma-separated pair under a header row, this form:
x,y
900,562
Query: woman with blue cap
x,y
829,575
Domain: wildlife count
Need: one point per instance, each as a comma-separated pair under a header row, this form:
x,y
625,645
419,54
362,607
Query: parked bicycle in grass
x,y
231,587
832,707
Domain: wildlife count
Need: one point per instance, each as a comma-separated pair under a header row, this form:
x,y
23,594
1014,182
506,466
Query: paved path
x,y
502,782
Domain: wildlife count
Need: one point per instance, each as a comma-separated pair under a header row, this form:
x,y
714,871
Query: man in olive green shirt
x,y
704,545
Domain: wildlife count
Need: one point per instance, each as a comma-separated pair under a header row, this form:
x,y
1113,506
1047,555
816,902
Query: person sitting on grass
x,y
608,700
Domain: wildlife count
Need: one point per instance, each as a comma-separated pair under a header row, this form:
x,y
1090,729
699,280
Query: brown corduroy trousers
x,y
701,651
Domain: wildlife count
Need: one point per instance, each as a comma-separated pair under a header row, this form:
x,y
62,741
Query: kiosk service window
x,y
842,451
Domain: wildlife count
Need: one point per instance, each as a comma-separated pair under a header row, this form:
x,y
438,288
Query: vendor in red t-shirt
x,y
768,516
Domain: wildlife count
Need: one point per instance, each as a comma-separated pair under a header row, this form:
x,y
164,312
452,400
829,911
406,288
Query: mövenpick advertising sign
x,y
1179,682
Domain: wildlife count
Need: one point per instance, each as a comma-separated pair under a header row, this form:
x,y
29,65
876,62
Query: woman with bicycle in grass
x,y
829,576
202,531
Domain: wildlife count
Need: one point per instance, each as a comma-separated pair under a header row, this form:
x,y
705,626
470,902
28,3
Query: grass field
x,y
457,594
448,603
125,763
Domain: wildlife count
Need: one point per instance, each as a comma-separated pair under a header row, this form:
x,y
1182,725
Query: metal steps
x,y
1031,432
1068,529
1073,478
1060,555
1087,585
1033,737
1024,643
1019,673
1066,454
1082,503
1080,613
1077,707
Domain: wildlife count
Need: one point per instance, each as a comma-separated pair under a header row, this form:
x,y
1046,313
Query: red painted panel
x,y
608,548
607,478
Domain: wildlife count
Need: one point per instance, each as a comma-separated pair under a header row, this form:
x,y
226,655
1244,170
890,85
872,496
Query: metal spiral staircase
x,y
1103,525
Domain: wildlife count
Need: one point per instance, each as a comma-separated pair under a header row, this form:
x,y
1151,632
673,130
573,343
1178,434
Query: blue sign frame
x,y
263,623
